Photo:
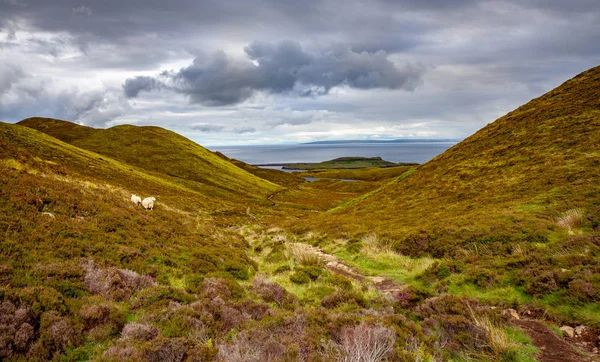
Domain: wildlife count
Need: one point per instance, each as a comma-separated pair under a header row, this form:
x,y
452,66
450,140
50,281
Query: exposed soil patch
x,y
587,339
552,347
342,271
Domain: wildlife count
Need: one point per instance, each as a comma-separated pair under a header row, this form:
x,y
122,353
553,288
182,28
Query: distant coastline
x,y
403,140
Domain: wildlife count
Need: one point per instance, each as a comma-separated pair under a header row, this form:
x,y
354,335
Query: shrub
x,y
241,349
482,277
215,287
539,283
114,284
299,278
122,352
139,332
165,350
58,332
436,271
270,292
15,329
410,296
582,290
101,313
224,287
339,281
343,297
364,343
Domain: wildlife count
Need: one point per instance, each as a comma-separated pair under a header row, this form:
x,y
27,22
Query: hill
x,y
517,174
512,213
160,151
341,163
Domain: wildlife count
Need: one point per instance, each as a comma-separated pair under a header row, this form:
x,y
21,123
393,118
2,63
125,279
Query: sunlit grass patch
x,y
572,219
509,295
400,268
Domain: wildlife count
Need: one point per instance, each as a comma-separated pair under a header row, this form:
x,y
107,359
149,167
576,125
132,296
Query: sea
x,y
406,151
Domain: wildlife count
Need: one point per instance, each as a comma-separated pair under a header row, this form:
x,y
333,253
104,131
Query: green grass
x,y
523,350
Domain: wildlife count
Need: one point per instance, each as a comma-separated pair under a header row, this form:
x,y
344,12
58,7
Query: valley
x,y
414,262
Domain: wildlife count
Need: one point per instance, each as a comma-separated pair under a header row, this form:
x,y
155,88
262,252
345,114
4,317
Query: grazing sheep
x,y
148,203
136,199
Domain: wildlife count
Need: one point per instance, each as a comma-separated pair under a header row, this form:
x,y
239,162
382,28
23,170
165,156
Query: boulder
x,y
579,330
511,313
568,331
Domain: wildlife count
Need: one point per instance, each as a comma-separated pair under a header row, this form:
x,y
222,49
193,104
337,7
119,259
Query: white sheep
x,y
136,199
148,203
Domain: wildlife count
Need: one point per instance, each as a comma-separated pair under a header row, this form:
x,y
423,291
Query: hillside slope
x,y
509,181
159,150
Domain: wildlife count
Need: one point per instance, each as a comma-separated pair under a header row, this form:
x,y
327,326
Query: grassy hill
x,y
342,163
512,213
515,175
160,151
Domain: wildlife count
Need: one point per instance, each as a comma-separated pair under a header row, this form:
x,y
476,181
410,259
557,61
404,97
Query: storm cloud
x,y
238,71
282,67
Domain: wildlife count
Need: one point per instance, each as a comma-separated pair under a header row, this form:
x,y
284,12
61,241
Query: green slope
x,y
160,151
510,180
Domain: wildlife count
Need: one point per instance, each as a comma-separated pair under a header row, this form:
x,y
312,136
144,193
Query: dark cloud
x,y
348,62
282,67
134,86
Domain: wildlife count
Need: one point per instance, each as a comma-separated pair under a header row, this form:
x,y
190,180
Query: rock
x,y
48,214
511,313
579,330
569,331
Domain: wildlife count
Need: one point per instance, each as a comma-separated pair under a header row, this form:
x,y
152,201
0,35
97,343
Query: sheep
x,y
136,199
148,203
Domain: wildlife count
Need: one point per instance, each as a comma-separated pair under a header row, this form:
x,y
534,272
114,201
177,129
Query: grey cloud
x,y
206,127
282,67
9,75
24,95
82,9
243,129
133,86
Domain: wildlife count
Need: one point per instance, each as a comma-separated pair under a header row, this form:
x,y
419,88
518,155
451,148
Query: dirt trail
x,y
552,347
382,284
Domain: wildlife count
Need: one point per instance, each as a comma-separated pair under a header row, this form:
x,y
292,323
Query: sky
x,y
228,72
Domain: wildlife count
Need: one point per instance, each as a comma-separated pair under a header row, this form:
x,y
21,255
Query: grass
x,y
572,219
400,268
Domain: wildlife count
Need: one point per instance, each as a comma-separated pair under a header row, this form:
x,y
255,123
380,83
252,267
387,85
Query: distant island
x,y
340,163
405,140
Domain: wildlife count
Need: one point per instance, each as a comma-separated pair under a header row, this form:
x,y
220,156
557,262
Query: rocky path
x,y
552,347
382,284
